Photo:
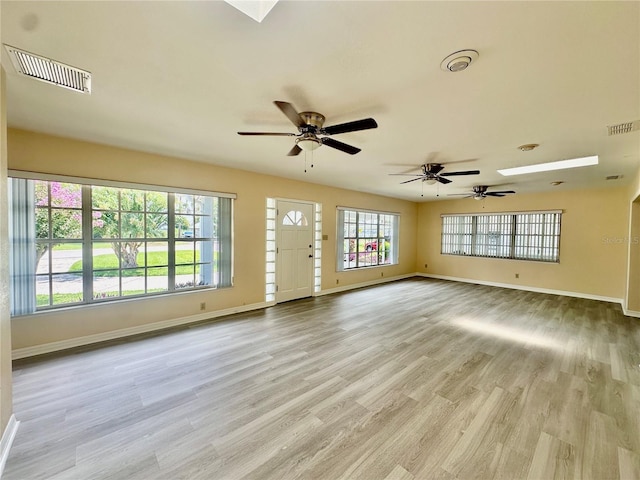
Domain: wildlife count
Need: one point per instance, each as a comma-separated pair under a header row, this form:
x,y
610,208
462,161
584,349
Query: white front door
x,y
294,247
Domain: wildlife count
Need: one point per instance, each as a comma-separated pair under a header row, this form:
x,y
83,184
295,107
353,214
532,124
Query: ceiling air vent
x,y
614,177
50,71
623,128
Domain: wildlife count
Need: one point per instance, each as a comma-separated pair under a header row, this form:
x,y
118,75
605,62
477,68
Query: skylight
x,y
256,9
546,167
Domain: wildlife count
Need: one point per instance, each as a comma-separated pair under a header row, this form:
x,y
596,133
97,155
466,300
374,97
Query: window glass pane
x,y
106,226
185,252
105,198
133,281
66,195
66,223
106,258
185,277
158,254
41,188
132,225
43,298
184,203
42,223
66,289
184,226
106,284
157,225
132,200
157,201
157,280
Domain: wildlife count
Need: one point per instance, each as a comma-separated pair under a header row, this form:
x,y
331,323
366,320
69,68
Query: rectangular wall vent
x,y
614,177
50,71
623,128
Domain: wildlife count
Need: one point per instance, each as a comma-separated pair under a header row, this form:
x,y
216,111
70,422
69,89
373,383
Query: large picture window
x,y
82,242
366,239
522,236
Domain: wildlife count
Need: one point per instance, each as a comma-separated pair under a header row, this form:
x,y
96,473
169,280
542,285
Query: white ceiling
x,y
181,78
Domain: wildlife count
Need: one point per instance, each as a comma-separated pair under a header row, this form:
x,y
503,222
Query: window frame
x,y
512,242
220,240
379,237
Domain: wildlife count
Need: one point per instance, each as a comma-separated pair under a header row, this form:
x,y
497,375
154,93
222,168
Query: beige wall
x,y
42,153
6,401
593,251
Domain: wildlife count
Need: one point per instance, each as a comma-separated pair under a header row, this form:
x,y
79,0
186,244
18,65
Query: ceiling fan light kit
x,y
458,61
307,143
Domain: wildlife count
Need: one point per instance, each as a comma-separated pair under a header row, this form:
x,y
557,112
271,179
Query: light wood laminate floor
x,y
417,379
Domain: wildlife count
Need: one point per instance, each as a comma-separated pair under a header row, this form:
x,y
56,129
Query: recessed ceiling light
x,y
545,167
527,147
458,61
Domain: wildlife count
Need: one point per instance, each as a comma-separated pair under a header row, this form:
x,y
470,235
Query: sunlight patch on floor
x,y
508,333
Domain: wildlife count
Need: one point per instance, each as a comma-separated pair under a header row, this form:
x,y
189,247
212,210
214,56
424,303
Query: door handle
x,y
310,256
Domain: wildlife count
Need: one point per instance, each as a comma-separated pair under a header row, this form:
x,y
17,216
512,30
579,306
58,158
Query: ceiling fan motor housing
x,y
313,119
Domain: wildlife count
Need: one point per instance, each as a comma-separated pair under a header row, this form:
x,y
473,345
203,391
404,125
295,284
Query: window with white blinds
x,y
522,236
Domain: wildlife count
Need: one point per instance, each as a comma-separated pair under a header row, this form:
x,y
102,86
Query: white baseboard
x,y
7,440
630,313
370,283
126,332
526,288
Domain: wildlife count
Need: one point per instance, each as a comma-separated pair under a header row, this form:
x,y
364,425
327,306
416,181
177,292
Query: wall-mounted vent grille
x,y
614,177
623,128
50,71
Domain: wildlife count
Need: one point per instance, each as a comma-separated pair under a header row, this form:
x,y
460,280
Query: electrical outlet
x,y
517,275
425,265
337,281
203,306
382,274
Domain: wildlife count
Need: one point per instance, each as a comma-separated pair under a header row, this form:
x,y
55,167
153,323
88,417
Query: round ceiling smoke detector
x,y
458,61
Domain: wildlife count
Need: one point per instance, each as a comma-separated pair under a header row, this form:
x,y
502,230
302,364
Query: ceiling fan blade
x,y
330,142
407,181
467,172
408,174
493,194
294,151
464,195
501,192
291,113
355,126
268,133
443,180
